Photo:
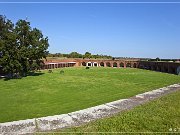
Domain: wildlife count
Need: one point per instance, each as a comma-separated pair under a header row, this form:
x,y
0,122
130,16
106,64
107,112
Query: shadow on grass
x,y
34,74
5,78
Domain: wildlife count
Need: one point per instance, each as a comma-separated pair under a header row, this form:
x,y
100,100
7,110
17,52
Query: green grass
x,y
161,115
78,88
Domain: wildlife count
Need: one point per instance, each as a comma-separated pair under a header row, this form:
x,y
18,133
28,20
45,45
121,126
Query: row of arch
x,y
108,64
166,69
161,68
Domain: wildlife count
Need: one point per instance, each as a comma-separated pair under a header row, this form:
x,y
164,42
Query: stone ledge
x,y
18,127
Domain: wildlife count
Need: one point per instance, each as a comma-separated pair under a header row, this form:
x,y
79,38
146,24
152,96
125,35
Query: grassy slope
x,y
78,88
161,115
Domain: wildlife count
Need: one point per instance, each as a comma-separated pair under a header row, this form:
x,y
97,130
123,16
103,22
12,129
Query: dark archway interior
x,y
102,64
84,64
121,64
114,64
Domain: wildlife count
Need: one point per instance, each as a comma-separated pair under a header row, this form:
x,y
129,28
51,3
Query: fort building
x,y
167,67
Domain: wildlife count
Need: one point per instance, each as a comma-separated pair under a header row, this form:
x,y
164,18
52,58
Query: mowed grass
x,y
161,115
78,88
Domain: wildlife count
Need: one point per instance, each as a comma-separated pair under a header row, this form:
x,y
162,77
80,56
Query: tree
x,y
8,47
21,46
157,59
87,55
32,46
75,55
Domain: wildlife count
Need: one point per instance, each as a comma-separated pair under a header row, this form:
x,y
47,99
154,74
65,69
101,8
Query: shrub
x,y
50,71
87,67
62,72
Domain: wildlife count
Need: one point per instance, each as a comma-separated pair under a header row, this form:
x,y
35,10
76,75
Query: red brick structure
x,y
168,67
133,63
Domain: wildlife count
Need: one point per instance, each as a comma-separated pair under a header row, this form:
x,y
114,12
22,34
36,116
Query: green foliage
x,y
45,94
21,46
74,55
87,55
78,55
62,72
157,59
87,67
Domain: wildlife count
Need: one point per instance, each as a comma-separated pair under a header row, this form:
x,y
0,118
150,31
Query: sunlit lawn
x,y
156,117
78,88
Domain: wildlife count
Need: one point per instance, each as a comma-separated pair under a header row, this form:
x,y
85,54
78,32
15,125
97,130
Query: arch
x,y
89,64
178,71
102,64
83,63
128,65
108,64
114,64
121,64
134,65
95,64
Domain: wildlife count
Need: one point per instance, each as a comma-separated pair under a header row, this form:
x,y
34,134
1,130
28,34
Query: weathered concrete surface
x,y
55,122
83,116
18,127
92,113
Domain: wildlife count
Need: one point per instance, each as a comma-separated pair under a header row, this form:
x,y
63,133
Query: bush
x,y
87,67
50,71
62,72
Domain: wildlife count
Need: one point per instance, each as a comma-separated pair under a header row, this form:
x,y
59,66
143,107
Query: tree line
x,y
78,55
21,47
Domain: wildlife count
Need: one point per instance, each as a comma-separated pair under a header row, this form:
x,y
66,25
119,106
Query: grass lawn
x,y
78,88
161,115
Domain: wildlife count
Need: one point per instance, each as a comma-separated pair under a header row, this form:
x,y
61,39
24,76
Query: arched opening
x,y
134,65
89,64
108,64
95,64
121,64
102,64
128,65
114,64
83,63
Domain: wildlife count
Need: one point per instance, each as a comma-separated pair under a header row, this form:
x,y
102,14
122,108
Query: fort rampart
x,y
168,67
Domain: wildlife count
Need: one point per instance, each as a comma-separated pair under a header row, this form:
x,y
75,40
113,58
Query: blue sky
x,y
125,29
